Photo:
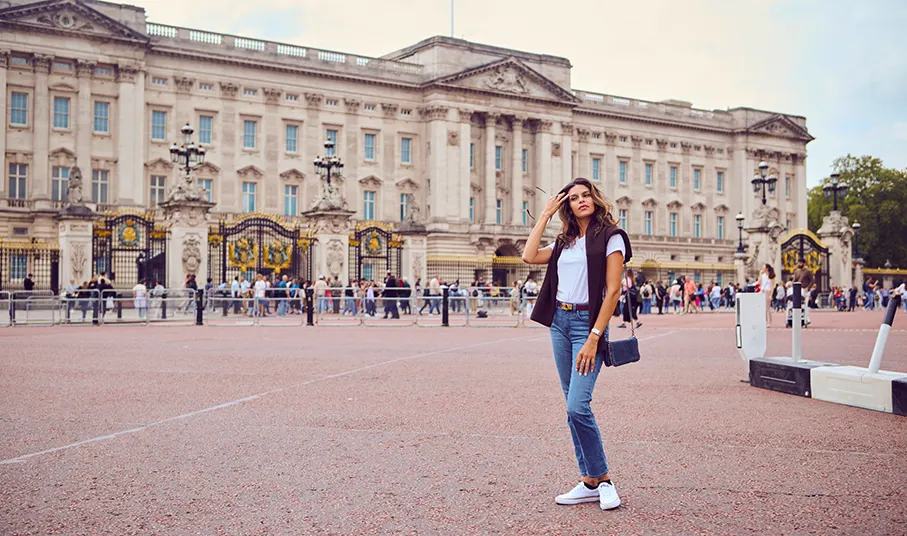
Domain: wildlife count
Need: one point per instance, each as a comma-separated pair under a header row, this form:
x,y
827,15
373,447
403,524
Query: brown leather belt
x,y
573,306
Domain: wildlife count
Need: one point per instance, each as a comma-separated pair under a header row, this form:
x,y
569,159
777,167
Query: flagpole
x,y
451,18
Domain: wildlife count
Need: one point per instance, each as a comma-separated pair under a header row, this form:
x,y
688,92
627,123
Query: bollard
x,y
199,307
445,295
164,306
94,313
119,306
797,324
882,340
68,310
12,309
309,307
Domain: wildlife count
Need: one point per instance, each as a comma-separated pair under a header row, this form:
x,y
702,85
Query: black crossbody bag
x,y
622,352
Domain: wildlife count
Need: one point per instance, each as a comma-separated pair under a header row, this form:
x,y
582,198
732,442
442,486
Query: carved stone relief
x,y
229,89
418,265
79,259
453,138
555,149
335,257
192,253
508,79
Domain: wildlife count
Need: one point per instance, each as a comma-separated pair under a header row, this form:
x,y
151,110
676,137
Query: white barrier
x,y
751,327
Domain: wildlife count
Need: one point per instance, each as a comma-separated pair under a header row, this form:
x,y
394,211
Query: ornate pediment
x,y
624,201
208,168
722,209
407,185
780,126
61,152
293,175
675,204
650,202
67,17
698,206
371,181
475,187
159,164
510,77
250,172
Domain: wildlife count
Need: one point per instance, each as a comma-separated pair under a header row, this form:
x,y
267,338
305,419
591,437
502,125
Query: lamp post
x,y
188,155
323,166
856,239
760,180
740,248
833,188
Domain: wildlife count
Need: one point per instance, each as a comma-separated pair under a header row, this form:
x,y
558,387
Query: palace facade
x,y
460,139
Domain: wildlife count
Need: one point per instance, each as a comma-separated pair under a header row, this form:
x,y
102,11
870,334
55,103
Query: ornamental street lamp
x,y
856,239
740,248
188,155
834,187
323,166
761,181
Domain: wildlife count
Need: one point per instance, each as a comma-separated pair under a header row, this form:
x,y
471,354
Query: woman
x,y
630,298
767,287
580,291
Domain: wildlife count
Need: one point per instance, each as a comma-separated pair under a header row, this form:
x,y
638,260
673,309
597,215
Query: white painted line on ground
x,y
24,457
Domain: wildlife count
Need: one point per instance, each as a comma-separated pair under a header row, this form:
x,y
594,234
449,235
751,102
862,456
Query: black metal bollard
x,y
445,301
94,311
309,307
12,308
226,306
119,306
199,307
164,306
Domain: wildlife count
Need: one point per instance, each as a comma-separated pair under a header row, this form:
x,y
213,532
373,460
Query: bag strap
x,y
632,328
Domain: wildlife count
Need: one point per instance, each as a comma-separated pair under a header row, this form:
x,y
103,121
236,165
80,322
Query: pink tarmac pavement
x,y
370,430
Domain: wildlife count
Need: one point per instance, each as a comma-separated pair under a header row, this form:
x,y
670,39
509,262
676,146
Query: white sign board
x,y
751,327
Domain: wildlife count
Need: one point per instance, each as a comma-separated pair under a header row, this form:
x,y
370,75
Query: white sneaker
x,y
608,496
579,494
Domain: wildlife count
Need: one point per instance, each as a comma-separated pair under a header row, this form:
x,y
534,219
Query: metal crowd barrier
x,y
5,303
494,307
32,308
80,309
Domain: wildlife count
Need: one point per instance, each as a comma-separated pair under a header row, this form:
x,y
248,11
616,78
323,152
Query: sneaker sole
x,y
611,506
575,501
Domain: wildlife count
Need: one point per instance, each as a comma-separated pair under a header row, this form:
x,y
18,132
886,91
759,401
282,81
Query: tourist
x,y
261,291
715,297
577,315
390,297
675,295
140,296
85,300
766,285
631,294
660,297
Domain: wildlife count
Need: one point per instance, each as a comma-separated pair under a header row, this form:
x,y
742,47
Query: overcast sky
x,y
840,63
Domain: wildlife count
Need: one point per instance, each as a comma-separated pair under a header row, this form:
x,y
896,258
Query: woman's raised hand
x,y
554,203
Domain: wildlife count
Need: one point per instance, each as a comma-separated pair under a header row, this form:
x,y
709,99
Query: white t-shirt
x,y
140,291
765,284
573,272
260,287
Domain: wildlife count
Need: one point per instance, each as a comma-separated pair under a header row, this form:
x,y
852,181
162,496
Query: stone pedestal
x,y
858,273
764,235
187,242
415,252
740,267
331,248
838,236
74,230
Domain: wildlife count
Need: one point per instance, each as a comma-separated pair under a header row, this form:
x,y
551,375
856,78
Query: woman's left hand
x,y
585,359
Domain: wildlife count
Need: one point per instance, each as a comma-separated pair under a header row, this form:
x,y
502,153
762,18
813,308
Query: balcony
x,y
27,204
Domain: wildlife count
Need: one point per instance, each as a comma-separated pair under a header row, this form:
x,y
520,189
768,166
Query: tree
x,y
877,198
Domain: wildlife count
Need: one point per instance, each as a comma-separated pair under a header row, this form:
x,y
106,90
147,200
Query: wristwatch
x,y
597,331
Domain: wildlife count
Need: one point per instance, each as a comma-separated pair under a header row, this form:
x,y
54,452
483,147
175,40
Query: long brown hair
x,y
601,219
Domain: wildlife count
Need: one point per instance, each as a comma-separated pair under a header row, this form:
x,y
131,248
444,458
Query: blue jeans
x,y
569,332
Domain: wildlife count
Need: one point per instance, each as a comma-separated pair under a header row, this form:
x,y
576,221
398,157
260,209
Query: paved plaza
x,y
390,430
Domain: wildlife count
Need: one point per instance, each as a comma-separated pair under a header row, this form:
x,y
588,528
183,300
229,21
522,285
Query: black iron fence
x,y
30,264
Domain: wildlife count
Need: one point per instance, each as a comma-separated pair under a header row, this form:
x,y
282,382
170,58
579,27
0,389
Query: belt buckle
x,y
566,306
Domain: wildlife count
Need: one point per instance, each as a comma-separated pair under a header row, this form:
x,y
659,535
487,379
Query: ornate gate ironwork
x,y
258,243
374,251
18,258
130,248
803,243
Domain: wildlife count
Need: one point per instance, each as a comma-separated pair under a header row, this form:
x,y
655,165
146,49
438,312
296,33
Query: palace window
x,y
721,227
498,155
102,117
205,123
472,156
404,206
697,179
369,107
525,212
623,172
649,174
331,135
697,226
17,176
472,210
623,218
406,151
369,147
248,134
158,183
649,217
368,205
525,163
100,180
18,113
289,199
203,86
158,125
673,178
61,112
673,228
158,81
499,212
719,182
248,196
248,92
787,187
596,169
207,184
331,102
292,137
291,97
59,183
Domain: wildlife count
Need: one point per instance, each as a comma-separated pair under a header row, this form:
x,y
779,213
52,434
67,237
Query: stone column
x,y
40,186
313,144
463,173
490,185
187,243
543,164
130,127
516,189
740,267
4,120
437,165
75,245
352,155
799,164
858,273
566,153
272,136
84,125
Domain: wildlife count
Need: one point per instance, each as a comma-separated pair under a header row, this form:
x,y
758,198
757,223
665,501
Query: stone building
x,y
456,139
